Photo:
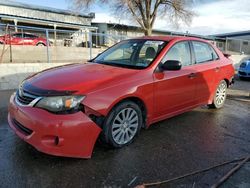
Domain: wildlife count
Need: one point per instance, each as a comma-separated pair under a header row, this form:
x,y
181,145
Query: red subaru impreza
x,y
62,111
23,39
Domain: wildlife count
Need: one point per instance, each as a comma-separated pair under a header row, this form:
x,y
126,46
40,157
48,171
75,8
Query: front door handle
x,y
192,75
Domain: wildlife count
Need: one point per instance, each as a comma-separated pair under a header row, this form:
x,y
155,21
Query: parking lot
x,y
192,141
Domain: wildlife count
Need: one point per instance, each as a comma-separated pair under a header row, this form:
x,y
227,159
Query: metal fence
x,y
31,44
238,45
234,46
42,45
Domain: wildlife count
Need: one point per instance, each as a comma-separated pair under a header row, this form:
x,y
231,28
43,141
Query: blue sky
x,y
61,4
213,16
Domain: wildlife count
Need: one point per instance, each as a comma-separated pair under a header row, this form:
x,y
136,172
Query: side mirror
x,y
171,65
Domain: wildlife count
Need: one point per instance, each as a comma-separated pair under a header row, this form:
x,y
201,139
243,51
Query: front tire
x,y
122,125
220,95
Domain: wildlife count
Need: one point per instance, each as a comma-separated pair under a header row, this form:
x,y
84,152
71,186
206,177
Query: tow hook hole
x,y
56,140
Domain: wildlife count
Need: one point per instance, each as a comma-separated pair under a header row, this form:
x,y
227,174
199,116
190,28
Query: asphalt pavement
x,y
183,144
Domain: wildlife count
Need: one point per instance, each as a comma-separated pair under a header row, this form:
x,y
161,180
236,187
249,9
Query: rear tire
x,y
122,125
220,95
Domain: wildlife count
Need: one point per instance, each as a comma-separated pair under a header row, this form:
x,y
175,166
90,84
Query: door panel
x,y
28,39
207,68
174,90
206,77
16,39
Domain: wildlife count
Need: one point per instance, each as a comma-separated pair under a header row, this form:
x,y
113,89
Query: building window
x,y
245,43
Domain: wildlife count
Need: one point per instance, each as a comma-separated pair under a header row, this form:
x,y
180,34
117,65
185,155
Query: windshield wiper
x,y
119,65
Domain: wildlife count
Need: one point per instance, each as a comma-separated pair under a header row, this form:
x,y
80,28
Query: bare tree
x,y
145,12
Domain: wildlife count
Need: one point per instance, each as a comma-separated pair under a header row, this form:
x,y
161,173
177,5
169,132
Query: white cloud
x,y
104,17
214,17
222,16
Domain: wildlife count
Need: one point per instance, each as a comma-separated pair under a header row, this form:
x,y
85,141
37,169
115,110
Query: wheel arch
x,y
40,42
139,102
227,81
210,101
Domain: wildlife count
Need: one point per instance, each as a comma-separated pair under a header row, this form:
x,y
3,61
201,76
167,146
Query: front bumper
x,y
69,135
243,73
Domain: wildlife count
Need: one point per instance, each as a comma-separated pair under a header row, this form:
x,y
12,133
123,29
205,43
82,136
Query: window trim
x,y
193,51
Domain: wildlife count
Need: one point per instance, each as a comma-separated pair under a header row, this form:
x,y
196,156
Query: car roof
x,y
170,38
24,33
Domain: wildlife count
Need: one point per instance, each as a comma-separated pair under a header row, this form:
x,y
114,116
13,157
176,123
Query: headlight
x,y
60,104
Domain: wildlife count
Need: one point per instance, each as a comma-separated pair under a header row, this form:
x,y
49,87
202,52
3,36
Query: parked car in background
x,y
23,39
135,83
244,70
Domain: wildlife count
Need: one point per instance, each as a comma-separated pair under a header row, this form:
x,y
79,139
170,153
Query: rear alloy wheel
x,y
122,125
220,95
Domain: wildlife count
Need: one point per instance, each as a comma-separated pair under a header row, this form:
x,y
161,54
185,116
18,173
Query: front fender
x,y
104,100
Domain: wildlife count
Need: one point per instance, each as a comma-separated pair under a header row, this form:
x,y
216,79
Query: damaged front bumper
x,y
67,135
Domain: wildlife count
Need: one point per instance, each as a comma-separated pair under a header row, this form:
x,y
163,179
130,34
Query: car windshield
x,y
135,54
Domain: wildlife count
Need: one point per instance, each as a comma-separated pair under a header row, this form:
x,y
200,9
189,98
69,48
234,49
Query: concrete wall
x,y
11,75
36,54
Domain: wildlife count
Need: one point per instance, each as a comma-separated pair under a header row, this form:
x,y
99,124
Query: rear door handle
x,y
217,69
192,75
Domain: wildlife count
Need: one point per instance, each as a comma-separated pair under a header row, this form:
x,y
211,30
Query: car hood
x,y
77,78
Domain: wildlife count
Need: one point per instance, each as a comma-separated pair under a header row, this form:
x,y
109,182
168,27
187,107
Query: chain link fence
x,y
22,44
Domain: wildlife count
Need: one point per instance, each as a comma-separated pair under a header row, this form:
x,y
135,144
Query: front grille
x,y
26,131
24,97
242,73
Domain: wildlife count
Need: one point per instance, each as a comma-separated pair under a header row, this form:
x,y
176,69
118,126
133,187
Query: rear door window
x,y
204,52
17,35
29,36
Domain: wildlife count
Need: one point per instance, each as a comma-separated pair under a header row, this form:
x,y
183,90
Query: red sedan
x,y
23,39
137,82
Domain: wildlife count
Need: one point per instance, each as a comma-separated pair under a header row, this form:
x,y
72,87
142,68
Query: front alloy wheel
x,y
122,124
125,126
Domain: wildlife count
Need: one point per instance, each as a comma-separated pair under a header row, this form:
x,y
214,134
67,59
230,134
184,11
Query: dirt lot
x,y
188,142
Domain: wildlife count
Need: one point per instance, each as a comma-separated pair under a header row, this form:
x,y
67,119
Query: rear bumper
x,y
70,135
